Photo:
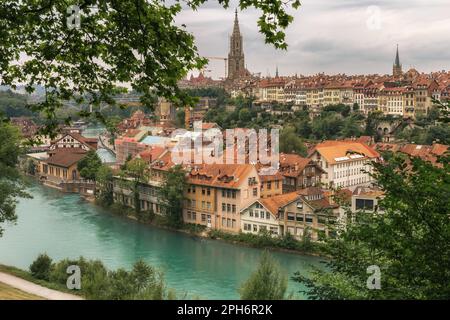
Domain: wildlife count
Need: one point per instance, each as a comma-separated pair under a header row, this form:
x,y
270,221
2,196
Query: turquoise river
x,y
65,225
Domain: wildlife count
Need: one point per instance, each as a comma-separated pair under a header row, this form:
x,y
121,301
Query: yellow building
x,y
216,194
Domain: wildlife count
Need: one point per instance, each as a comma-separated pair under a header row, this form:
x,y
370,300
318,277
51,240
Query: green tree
x,y
41,267
128,41
89,165
351,128
244,116
111,124
137,170
180,118
267,282
172,195
143,282
409,240
104,185
290,142
11,181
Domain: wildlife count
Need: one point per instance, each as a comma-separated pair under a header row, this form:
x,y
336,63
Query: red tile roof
x,y
66,158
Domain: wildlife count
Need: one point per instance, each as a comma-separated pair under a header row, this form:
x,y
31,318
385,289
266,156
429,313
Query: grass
x,y
10,293
27,276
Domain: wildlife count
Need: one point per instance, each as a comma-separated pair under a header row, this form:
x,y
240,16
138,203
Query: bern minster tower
x,y
236,65
397,68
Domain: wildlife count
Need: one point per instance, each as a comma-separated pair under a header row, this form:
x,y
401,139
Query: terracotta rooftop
x,y
221,175
66,158
274,203
333,151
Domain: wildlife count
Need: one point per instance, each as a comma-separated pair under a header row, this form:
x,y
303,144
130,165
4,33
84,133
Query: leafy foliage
x,y
41,267
409,240
268,282
129,41
11,181
172,195
143,282
136,169
89,165
104,185
290,142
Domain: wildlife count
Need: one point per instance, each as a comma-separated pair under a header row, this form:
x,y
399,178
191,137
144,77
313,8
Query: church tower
x,y
397,68
236,64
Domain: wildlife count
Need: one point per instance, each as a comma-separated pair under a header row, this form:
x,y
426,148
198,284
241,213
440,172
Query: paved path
x,y
36,289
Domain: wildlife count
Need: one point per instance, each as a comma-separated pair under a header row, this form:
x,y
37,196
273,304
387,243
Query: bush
x,y
41,267
143,282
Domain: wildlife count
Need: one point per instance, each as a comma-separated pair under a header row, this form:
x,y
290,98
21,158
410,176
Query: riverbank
x,y
63,225
287,243
34,288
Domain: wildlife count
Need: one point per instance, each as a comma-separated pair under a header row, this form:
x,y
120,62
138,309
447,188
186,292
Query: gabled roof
x,y
273,204
341,151
89,142
292,165
67,158
221,175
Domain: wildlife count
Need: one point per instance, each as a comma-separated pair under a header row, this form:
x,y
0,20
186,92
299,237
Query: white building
x,y
347,163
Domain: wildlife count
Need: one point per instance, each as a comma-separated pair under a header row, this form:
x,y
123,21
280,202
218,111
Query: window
x,y
233,208
255,228
255,192
208,191
203,217
203,191
223,193
322,219
364,204
269,185
228,207
299,218
274,230
300,205
291,216
247,227
224,222
267,215
256,214
250,213
309,218
194,216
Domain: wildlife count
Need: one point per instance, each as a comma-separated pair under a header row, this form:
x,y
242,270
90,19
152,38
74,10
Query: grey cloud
x,y
332,36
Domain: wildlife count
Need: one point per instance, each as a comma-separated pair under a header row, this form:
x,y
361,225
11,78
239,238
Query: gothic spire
x,y
236,22
397,59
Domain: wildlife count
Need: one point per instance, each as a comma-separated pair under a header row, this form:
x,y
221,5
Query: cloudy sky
x,y
333,36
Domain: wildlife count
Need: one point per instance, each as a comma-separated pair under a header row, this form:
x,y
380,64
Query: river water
x,y
66,226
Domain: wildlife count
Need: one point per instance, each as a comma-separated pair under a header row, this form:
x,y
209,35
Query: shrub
x,y
41,267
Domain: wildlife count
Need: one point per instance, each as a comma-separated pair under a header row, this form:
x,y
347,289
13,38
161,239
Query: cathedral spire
x,y
236,23
236,63
397,59
397,68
